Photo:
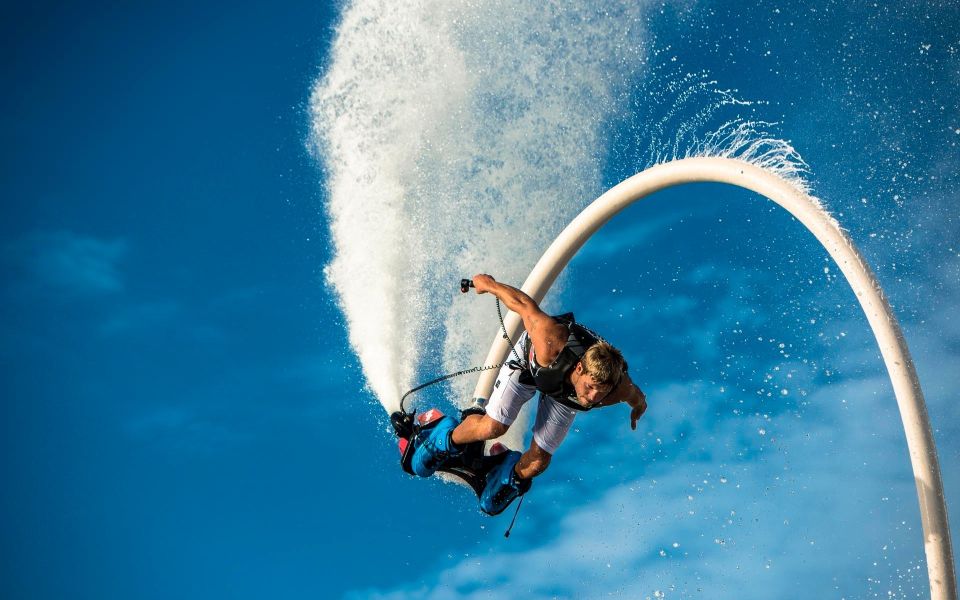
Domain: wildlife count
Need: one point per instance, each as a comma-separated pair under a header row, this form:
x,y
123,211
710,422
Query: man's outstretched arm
x,y
628,392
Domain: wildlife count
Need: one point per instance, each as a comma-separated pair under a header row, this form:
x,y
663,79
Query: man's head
x,y
598,372
604,363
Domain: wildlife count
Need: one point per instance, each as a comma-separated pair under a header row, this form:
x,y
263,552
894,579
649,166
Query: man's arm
x,y
548,336
628,392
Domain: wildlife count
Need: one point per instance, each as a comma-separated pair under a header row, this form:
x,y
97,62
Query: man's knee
x,y
476,427
491,428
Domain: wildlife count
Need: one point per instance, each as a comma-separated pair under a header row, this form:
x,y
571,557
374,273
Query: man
x,y
572,368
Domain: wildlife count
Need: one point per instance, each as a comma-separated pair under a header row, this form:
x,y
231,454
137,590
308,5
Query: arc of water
x,y
886,329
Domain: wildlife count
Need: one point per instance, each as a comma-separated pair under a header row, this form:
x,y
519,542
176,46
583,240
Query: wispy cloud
x,y
67,262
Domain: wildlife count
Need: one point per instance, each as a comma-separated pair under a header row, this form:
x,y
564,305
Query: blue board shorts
x,y
509,395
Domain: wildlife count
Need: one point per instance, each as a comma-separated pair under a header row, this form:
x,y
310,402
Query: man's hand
x,y
638,406
483,283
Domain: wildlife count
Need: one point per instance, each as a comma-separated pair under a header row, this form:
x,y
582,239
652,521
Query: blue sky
x,y
183,413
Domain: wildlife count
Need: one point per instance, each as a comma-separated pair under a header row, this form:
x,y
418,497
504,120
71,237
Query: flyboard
x,y
474,464
470,468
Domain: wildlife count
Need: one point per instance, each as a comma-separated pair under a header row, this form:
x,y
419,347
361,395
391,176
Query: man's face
x,y
589,392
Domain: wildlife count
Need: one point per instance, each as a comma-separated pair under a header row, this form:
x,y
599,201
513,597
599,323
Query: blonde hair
x,y
604,363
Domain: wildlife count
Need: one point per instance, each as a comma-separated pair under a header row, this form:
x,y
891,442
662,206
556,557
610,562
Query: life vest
x,y
553,380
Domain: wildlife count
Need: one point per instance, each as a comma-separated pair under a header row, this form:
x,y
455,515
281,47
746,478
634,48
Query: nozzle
x,y
402,424
465,285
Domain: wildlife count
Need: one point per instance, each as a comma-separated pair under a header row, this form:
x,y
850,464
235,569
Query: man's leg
x,y
513,478
549,430
476,428
506,400
533,462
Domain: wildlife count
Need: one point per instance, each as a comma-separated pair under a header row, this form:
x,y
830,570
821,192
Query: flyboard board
x,y
470,468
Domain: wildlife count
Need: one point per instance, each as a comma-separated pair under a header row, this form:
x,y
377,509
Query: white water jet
x,y
457,137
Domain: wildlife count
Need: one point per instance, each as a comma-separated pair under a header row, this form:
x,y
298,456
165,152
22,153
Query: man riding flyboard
x,y
573,369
